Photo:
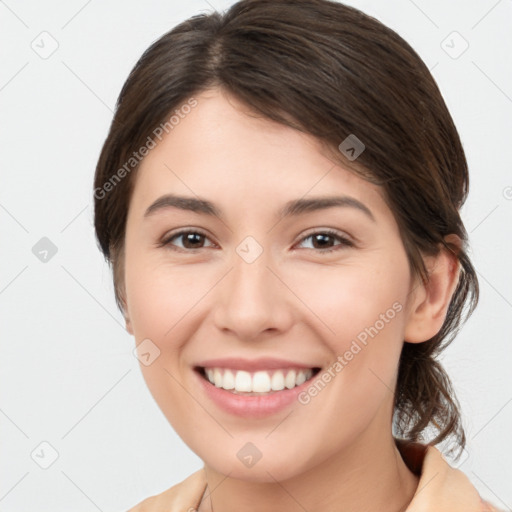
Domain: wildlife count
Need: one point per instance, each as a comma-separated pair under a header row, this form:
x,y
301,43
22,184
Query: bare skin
x,y
198,299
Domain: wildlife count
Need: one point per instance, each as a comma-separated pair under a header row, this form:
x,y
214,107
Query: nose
x,y
252,300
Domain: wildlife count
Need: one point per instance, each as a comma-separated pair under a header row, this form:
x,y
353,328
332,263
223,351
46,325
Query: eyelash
x,y
345,242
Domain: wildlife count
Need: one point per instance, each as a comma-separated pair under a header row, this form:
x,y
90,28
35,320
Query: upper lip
x,y
264,363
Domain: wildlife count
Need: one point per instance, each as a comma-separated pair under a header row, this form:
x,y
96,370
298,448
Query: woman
x,y
279,198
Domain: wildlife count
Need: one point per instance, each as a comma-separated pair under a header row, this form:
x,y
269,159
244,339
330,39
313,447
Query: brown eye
x,y
191,239
321,240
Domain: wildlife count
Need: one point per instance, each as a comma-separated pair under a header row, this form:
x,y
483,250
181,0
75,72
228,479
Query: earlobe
x,y
431,301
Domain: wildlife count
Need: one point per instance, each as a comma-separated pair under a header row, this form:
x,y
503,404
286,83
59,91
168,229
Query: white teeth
x,y
301,378
289,380
229,380
261,382
217,377
240,381
277,383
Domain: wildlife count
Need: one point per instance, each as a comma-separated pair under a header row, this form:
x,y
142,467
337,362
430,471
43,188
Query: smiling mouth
x,y
264,382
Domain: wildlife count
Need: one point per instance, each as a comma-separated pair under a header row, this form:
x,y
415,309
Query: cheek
x,y
158,295
358,314
161,303
361,325
348,300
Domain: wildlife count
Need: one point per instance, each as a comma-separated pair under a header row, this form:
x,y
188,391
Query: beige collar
x,y
441,487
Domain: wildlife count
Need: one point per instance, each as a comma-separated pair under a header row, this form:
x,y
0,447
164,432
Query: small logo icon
x,y
352,147
249,249
146,352
249,455
44,455
454,45
45,45
44,250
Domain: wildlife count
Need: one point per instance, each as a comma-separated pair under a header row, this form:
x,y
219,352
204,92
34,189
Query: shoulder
x,y
184,496
441,487
489,507
445,488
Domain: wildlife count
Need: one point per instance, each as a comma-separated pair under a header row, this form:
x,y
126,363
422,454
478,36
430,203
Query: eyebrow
x,y
291,208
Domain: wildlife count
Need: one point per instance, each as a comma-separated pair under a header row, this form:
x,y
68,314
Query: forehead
x,y
222,149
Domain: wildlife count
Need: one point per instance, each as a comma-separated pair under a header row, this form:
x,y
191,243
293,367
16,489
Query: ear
x,y
430,302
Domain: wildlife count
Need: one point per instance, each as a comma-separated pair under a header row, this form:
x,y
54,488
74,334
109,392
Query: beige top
x,y
441,487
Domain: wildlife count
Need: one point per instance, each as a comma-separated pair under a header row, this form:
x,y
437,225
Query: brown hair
x,y
327,70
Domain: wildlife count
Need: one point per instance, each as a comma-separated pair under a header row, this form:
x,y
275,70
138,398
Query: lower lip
x,y
251,406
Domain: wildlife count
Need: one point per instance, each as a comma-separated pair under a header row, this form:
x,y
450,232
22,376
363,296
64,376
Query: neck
x,y
364,477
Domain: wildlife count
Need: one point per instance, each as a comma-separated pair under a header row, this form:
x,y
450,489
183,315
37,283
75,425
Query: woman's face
x,y
252,284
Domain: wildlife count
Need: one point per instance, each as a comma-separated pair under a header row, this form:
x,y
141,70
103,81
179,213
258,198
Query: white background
x,y
68,376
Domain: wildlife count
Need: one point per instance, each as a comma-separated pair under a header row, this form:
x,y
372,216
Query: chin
x,y
275,463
